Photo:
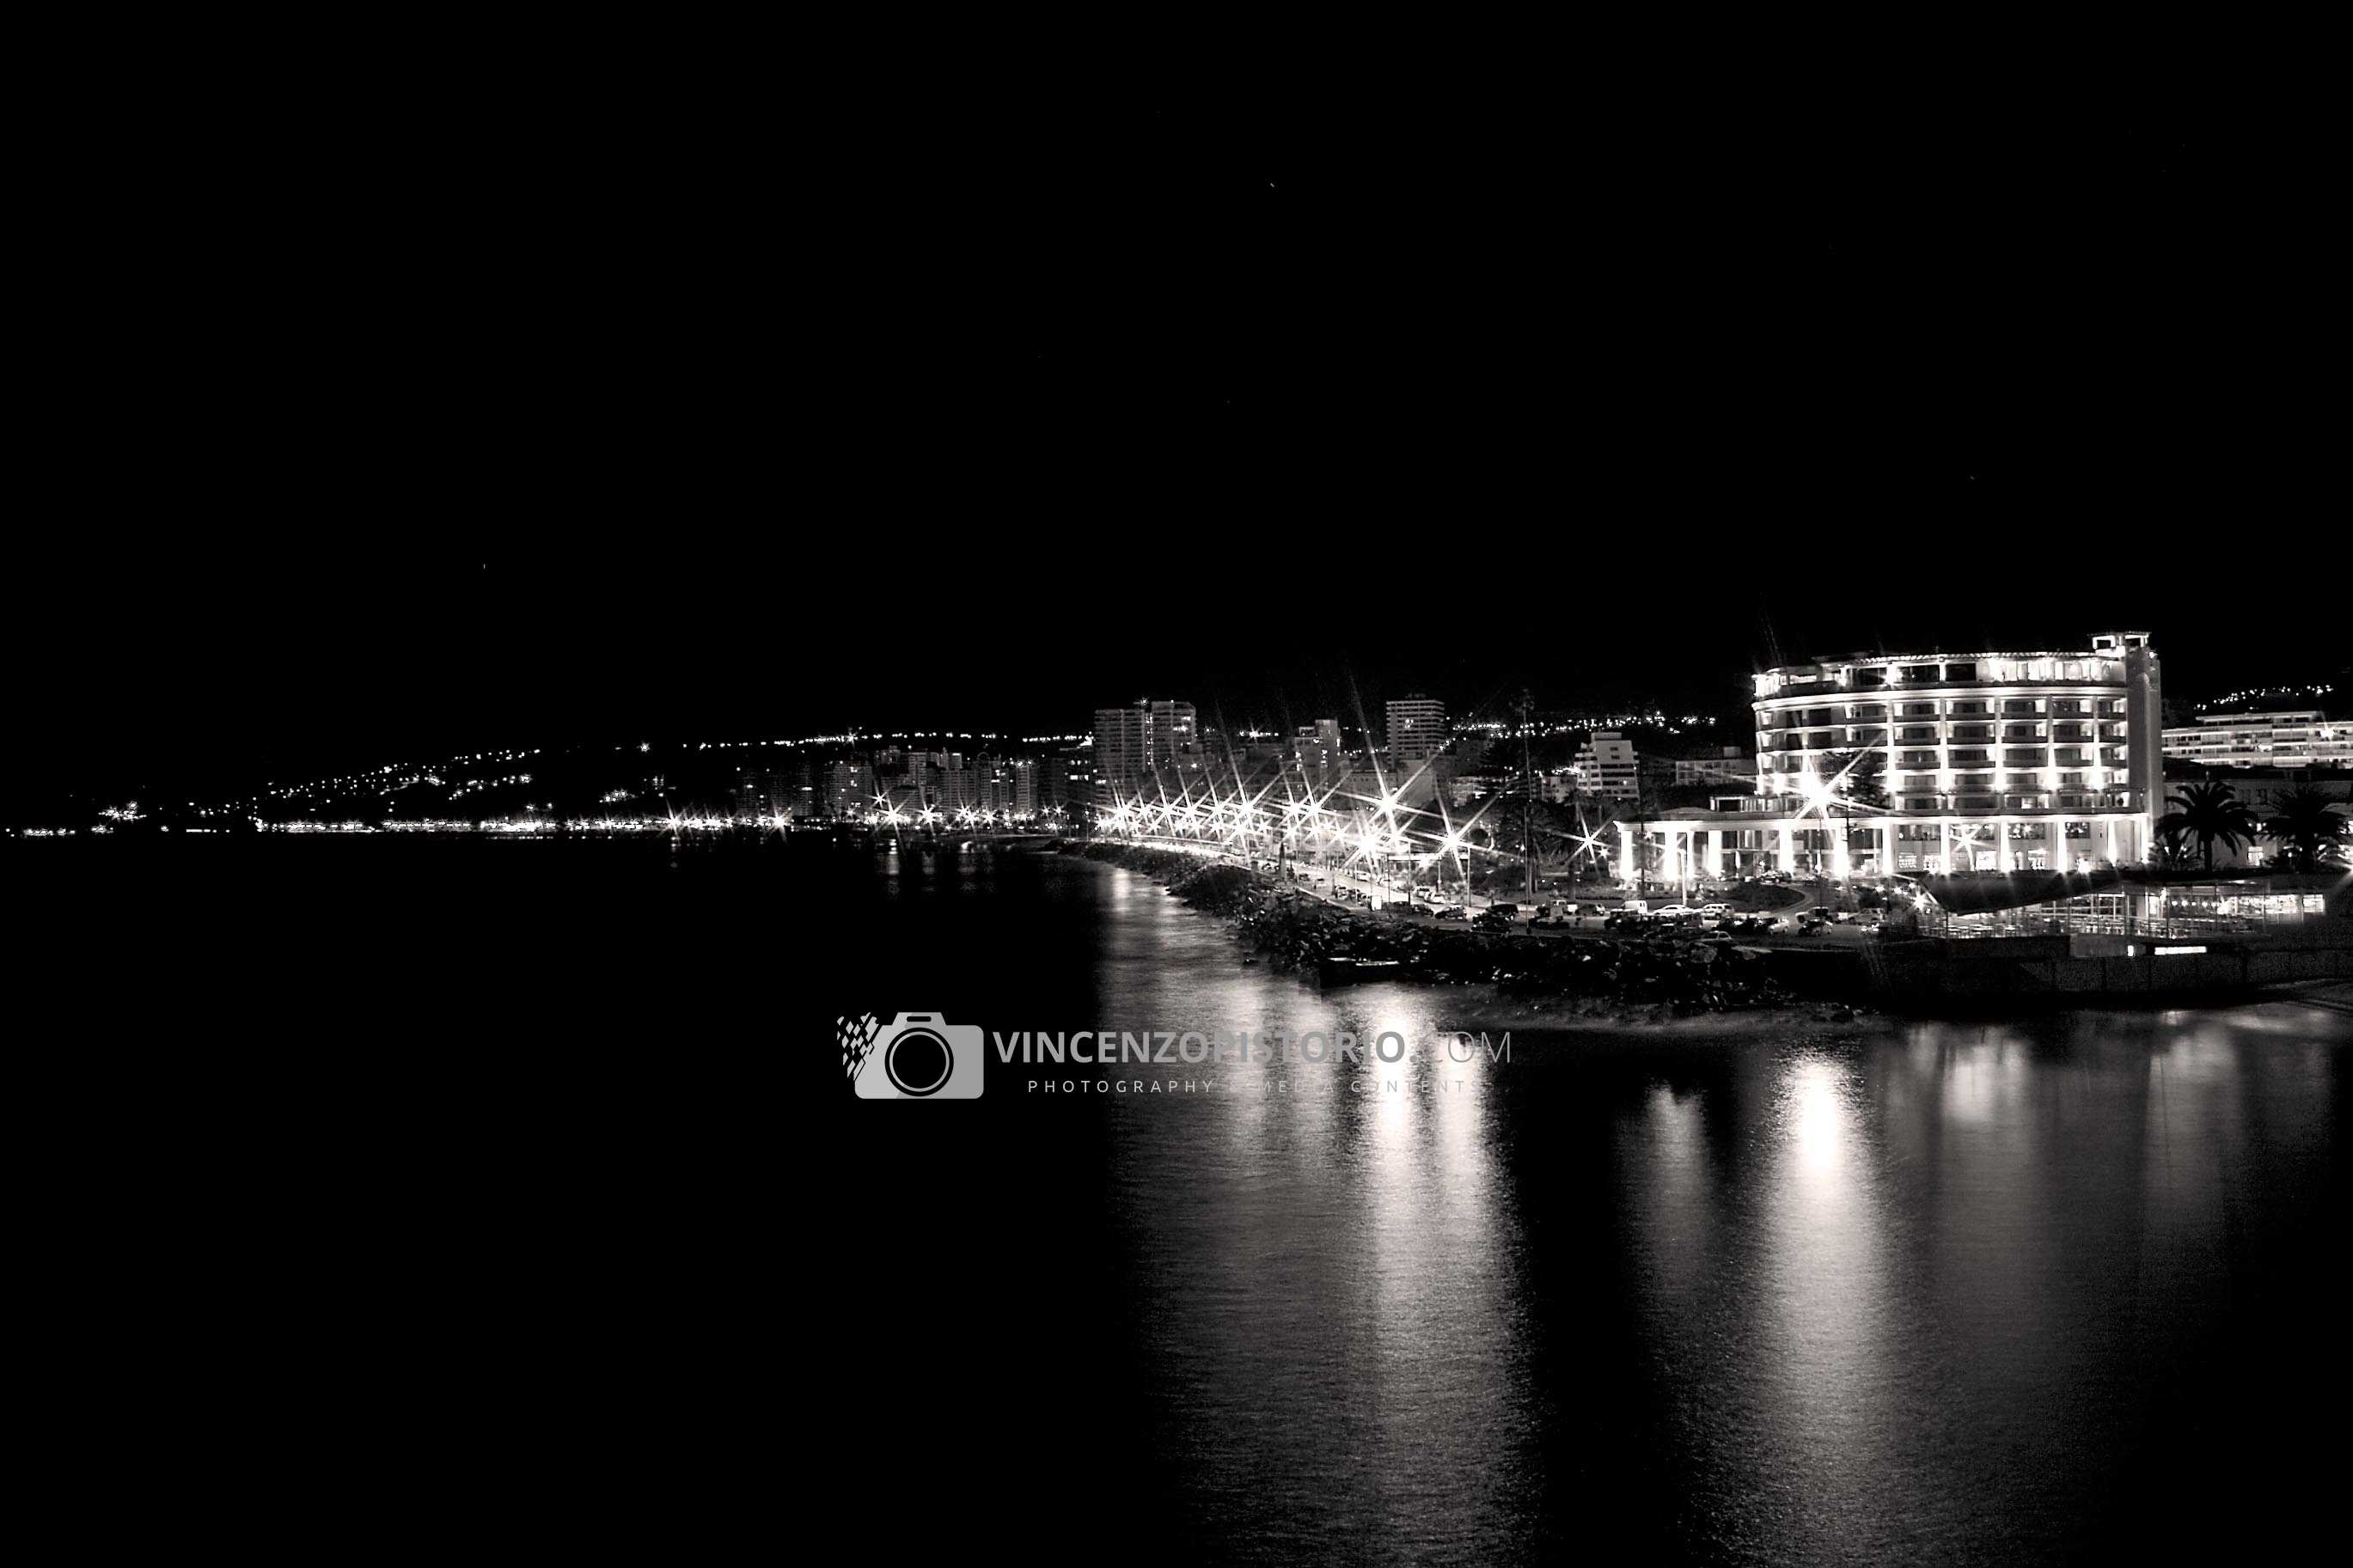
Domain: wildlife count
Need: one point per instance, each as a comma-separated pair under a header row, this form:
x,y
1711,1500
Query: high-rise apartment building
x,y
1122,751
849,789
1132,741
1417,728
1176,734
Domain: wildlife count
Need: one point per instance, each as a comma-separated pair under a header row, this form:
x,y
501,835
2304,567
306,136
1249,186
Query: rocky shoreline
x,y
1639,983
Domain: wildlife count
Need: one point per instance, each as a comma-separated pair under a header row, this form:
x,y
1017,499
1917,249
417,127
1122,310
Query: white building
x,y
1318,748
1606,765
1018,790
1731,766
1417,728
1122,751
1149,742
1990,762
1175,734
1005,785
2300,739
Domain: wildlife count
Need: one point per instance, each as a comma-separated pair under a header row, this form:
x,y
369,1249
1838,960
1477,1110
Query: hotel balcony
x,y
1758,805
1986,800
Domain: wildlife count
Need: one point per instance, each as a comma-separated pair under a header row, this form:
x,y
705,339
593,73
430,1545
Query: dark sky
x,y
377,417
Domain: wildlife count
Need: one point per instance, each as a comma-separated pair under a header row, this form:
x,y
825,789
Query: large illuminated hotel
x,y
1988,762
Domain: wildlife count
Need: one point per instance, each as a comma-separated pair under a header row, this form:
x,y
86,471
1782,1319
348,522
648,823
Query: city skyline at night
x,y
688,775
210,725
1378,816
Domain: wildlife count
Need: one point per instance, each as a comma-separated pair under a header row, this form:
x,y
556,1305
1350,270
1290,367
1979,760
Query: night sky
x,y
372,424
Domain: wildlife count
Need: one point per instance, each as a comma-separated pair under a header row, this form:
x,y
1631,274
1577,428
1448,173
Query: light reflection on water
x,y
1910,1295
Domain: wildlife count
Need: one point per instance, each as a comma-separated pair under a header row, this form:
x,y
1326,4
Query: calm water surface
x,y
1947,1292
2061,1290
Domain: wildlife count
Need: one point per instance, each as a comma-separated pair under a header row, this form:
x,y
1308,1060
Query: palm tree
x,y
2303,821
1855,776
1641,816
2214,811
2172,841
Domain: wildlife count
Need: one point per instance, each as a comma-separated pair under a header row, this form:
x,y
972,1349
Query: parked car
x,y
1715,910
1453,912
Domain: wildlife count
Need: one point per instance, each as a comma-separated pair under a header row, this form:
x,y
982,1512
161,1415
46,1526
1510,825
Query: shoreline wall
x,y
1931,972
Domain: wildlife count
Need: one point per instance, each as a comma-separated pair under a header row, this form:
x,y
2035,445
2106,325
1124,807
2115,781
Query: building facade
x,y
1730,765
1069,779
2301,738
1606,765
850,789
766,795
1135,742
1175,734
1987,763
1417,728
1317,753
1017,787
1122,751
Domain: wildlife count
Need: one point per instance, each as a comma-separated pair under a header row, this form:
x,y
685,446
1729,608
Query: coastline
x,y
1649,980
1647,987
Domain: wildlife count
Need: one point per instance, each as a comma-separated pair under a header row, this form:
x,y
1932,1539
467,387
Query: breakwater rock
x,y
1667,975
